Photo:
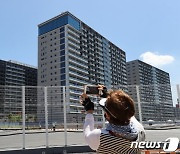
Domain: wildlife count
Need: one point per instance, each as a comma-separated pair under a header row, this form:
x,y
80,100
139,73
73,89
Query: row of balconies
x,y
76,74
77,57
77,61
78,80
14,67
76,46
73,32
73,50
78,69
10,71
70,37
81,88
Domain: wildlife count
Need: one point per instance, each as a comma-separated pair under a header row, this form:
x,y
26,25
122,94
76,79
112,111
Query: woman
x,y
121,129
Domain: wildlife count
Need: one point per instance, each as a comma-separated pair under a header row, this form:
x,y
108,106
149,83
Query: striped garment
x,y
113,145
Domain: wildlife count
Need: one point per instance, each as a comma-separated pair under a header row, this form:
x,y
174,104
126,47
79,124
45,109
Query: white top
x,y
92,136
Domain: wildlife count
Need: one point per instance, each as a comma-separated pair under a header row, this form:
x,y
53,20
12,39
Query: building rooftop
x,y
19,63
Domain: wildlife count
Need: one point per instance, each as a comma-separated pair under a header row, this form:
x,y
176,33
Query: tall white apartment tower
x,y
72,54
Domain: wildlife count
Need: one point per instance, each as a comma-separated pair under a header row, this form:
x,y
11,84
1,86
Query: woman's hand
x,y
102,91
83,97
86,102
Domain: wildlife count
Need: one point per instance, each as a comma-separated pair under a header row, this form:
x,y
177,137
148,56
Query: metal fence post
x,y
46,116
103,119
65,120
23,115
139,104
178,92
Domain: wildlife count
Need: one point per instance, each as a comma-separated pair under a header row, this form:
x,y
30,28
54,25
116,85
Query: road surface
x,y
38,140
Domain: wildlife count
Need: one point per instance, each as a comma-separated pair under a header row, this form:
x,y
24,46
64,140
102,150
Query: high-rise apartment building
x,y
14,75
72,54
154,90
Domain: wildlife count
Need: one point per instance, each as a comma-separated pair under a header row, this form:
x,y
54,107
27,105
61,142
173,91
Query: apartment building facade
x,y
14,75
72,54
154,90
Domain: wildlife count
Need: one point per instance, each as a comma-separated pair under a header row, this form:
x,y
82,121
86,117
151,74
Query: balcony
x,y
84,39
73,33
78,81
73,38
73,50
84,65
77,57
77,75
74,44
73,99
76,87
78,69
75,92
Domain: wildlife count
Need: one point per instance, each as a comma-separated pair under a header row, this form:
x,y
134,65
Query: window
x,y
62,35
62,53
62,58
63,83
62,64
62,46
62,29
62,41
59,22
63,77
62,70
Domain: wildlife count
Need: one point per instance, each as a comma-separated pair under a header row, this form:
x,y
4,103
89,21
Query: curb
x,y
38,132
53,150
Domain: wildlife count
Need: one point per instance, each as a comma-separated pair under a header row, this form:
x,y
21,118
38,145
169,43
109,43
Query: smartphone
x,y
91,89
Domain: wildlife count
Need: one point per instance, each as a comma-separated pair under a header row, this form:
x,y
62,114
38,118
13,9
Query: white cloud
x,y
156,59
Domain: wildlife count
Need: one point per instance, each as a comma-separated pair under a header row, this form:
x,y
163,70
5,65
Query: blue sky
x,y
147,30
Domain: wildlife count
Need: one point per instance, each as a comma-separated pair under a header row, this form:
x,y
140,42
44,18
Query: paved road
x,y
73,138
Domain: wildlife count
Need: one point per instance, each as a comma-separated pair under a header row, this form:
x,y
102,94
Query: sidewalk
x,y
8,132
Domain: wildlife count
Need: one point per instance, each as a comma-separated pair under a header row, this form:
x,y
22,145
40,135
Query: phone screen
x,y
92,90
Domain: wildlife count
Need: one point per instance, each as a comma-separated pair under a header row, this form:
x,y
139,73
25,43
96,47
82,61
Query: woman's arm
x,y
141,131
92,136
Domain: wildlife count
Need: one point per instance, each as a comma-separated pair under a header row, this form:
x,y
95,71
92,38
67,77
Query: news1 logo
x,y
169,145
